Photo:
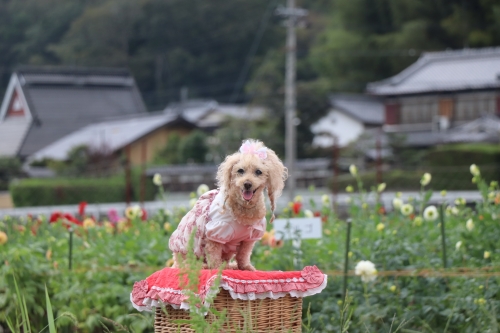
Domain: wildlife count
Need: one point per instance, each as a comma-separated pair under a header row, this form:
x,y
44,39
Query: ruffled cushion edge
x,y
238,289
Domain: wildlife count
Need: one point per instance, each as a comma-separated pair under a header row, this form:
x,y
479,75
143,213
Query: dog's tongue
x,y
247,195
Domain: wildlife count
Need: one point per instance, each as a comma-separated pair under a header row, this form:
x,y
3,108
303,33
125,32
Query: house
x,y
44,104
138,137
431,101
209,114
349,116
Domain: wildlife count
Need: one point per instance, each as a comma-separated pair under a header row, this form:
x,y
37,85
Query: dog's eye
x,y
258,172
241,171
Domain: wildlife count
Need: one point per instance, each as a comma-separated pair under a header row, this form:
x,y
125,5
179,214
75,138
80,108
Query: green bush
x,y
463,155
44,192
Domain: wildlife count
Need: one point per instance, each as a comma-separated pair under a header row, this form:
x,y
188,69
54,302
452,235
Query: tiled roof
x,y
444,71
367,109
111,135
63,100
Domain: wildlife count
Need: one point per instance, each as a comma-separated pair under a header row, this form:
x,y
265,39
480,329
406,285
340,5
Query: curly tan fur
x,y
239,173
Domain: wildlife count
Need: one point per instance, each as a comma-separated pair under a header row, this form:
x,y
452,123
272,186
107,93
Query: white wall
x,y
346,129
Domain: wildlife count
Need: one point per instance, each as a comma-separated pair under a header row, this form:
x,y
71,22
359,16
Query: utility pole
x,y
292,14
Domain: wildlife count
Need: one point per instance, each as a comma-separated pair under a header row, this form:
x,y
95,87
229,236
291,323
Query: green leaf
x,y
50,314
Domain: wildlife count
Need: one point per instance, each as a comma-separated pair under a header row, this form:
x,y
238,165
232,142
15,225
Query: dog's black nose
x,y
247,185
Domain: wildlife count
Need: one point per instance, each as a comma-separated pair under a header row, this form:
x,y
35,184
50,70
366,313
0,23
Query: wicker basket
x,y
267,315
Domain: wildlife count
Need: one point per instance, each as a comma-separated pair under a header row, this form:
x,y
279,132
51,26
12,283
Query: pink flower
x,y
312,275
113,216
139,292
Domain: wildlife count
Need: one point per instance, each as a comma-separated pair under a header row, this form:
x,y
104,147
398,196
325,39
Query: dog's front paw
x,y
247,267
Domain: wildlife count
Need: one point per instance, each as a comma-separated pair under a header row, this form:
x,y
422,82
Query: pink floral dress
x,y
215,222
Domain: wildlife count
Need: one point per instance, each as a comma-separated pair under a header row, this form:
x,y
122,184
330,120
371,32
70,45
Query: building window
x,y
392,114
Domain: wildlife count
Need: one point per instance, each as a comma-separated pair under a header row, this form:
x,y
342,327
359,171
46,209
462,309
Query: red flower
x,y
81,208
66,216
312,275
297,205
144,216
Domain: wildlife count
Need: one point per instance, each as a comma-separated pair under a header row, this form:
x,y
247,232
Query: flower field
x,y
411,267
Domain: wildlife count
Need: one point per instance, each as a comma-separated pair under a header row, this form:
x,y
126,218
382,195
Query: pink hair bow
x,y
250,148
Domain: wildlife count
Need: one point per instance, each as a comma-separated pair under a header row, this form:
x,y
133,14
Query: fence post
x,y
70,259
346,258
443,235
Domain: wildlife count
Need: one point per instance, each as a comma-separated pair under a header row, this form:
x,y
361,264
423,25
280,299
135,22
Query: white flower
x,y
457,246
426,179
397,203
353,170
381,187
157,179
406,209
325,199
487,254
202,189
469,224
366,269
431,213
298,198
474,170
308,213
460,201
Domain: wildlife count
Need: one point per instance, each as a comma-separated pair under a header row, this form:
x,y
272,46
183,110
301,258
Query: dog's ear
x,y
224,171
278,173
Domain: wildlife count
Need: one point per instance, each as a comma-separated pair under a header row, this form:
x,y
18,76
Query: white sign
x,y
306,228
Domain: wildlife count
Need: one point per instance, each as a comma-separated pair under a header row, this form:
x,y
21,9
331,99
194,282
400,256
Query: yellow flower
x,y
267,253
381,187
487,254
460,201
426,179
397,203
167,227
353,170
349,189
364,205
203,188
469,224
474,170
406,209
48,254
327,232
325,199
443,193
108,226
399,194
122,226
349,254
380,226
394,232
393,288
132,212
88,223
192,202
169,262
480,301
157,179
298,198
417,222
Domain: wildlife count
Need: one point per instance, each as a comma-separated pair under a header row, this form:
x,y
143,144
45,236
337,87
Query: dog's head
x,y
245,174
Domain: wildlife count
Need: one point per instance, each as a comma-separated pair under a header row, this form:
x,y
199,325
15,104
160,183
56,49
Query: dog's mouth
x,y
248,194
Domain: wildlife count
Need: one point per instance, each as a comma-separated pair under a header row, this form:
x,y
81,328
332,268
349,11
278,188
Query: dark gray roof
x,y
444,71
367,109
63,100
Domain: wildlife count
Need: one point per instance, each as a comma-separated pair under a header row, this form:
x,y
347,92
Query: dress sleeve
x,y
219,231
258,230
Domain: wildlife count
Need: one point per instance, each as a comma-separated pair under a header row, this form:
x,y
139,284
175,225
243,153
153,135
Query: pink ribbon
x,y
251,148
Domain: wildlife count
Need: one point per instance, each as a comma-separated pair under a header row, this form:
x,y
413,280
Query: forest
x,y
234,51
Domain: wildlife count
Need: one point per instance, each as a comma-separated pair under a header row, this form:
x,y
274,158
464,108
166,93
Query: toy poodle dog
x,y
230,219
